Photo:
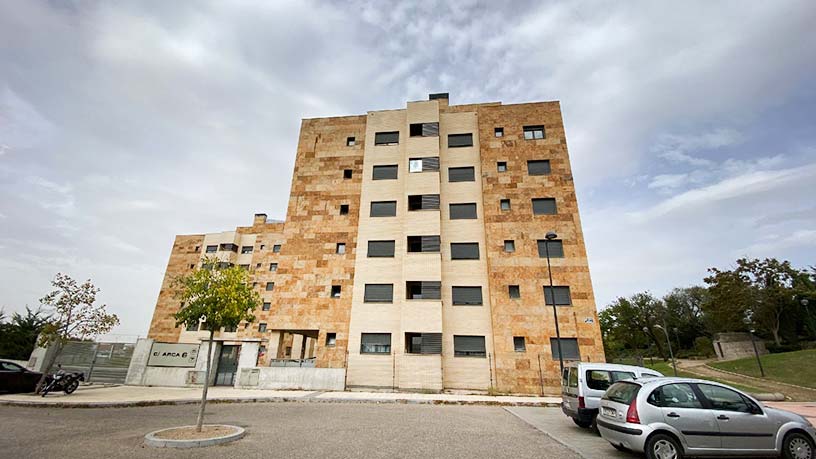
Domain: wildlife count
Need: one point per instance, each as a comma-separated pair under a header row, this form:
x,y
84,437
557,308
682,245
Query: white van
x,y
583,384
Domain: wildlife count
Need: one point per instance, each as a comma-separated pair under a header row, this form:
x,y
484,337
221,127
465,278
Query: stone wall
x,y
730,346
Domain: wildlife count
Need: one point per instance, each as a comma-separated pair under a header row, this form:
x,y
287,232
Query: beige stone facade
x,y
395,344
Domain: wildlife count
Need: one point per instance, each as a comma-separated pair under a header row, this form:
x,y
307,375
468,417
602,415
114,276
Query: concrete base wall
x,y
139,374
731,346
292,378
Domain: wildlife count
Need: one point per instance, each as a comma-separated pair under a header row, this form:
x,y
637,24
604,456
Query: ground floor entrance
x,y
227,365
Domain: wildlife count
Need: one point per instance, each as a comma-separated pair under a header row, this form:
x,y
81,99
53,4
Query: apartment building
x,y
413,253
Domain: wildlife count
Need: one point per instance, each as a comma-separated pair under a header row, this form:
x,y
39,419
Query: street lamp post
x,y
668,341
550,236
756,353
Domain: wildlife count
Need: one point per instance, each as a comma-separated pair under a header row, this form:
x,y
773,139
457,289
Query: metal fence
x,y
101,362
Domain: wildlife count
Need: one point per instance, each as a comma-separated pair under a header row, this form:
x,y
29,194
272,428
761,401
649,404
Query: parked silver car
x,y
668,418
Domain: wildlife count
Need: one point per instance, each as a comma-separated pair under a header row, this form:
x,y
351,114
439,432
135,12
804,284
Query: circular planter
x,y
152,439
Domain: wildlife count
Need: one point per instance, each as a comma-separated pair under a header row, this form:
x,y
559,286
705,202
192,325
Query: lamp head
x,y
551,235
645,329
804,301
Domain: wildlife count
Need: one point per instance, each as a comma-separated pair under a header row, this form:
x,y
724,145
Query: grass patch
x,y
666,369
789,367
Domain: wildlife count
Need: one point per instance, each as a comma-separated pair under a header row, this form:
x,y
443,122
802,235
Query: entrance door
x,y
227,366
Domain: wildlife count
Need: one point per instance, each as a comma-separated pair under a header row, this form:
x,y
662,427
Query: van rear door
x,y
569,389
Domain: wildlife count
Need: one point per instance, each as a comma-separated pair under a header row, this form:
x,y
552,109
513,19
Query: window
x,y
266,306
460,140
725,399
423,343
561,294
380,249
261,327
554,246
424,130
429,164
211,248
246,249
351,141
375,343
519,344
466,211
197,248
192,266
331,339
386,138
229,247
261,247
340,249
423,202
602,379
424,290
225,265
464,250
347,173
514,291
538,167
231,329
276,248
501,166
461,174
622,393
469,346
544,206
344,209
270,286
533,132
244,267
383,209
427,244
388,172
498,132
273,267
509,246
335,291
467,295
504,204
569,346
379,293
258,266
678,395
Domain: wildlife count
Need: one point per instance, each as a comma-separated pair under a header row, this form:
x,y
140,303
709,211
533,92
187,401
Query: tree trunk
x,y
200,421
47,368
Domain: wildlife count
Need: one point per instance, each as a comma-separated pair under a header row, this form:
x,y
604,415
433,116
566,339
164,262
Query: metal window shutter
x,y
431,290
379,293
376,338
384,209
461,174
430,243
463,211
469,344
465,250
538,167
430,129
467,295
556,249
378,249
388,172
431,343
460,140
386,137
569,346
561,294
544,206
430,164
430,201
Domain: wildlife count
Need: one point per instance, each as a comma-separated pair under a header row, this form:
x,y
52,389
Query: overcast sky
x,y
691,126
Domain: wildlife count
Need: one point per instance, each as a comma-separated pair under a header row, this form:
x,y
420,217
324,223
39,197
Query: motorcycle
x,y
62,380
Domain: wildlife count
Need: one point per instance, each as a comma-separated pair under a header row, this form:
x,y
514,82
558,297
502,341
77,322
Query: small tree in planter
x,y
220,297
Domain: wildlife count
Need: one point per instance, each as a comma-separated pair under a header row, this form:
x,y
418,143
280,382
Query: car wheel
x,y
662,446
594,425
71,387
798,446
580,423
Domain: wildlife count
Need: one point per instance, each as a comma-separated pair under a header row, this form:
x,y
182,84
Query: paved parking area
x,y
284,429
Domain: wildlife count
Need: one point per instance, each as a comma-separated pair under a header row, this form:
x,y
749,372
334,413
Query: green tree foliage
x,y
684,315
19,336
218,296
623,321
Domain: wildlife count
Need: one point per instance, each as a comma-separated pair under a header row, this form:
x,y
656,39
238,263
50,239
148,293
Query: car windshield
x,y
622,392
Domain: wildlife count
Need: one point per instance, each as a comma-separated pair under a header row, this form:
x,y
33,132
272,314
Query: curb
x,y
760,379
151,440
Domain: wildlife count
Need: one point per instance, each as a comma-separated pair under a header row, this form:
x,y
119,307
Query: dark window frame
x,y
466,291
544,206
386,138
426,244
456,211
519,344
463,245
554,348
514,291
534,130
382,203
385,172
369,251
469,353
539,167
559,300
368,299
462,140
364,350
555,247
461,174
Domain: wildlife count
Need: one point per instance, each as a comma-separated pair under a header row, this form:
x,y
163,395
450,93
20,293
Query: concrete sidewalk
x,y
123,396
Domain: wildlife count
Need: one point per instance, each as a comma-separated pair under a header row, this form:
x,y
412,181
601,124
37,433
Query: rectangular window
x,y
498,132
467,295
212,248
461,174
197,248
469,346
273,267
266,306
258,266
225,265
569,348
428,164
560,293
231,329
514,291
388,172
423,343
351,141
335,291
379,293
460,140
270,286
229,247
427,244
533,132
276,248
331,339
423,202
347,173
246,249
340,249
424,130
424,290
466,211
244,267
504,204
380,249
261,327
386,138
509,246
519,344
501,166
375,343
538,167
544,206
383,209
344,209
464,250
555,247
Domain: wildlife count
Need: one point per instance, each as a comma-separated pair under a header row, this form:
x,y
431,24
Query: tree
x,y
624,320
18,337
216,296
684,314
74,315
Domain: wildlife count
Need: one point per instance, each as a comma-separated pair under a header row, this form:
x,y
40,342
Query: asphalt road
x,y
280,430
